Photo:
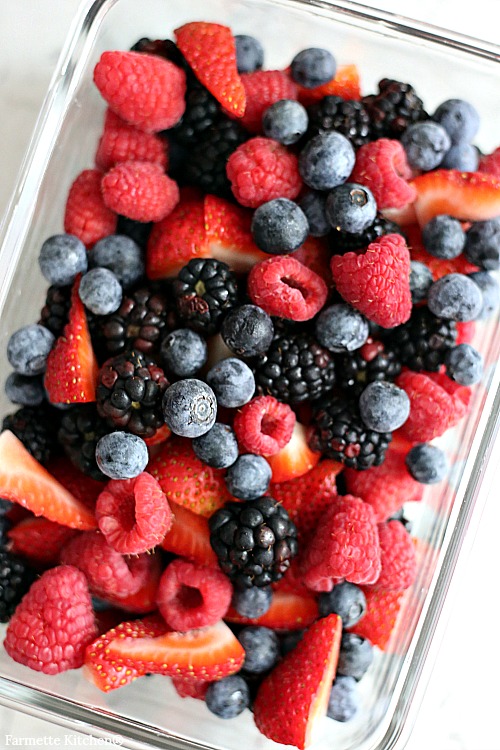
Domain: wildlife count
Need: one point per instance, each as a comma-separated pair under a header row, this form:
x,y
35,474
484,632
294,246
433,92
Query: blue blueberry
x,y
249,53
351,208
189,407
100,291
285,121
279,226
421,280
252,602
183,352
313,67
443,237
455,297
346,600
464,364
356,655
120,254
314,206
491,292
461,156
62,258
482,244
227,698
232,381
247,330
344,701
262,648
383,406
218,447
427,463
425,144
459,118
121,455
249,477
23,390
28,349
326,161
340,328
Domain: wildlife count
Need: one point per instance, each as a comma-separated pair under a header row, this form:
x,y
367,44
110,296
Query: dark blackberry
x,y
254,541
348,117
354,370
129,393
394,108
424,341
79,431
340,434
16,577
162,48
5,525
295,368
345,242
202,110
204,291
138,231
54,313
35,429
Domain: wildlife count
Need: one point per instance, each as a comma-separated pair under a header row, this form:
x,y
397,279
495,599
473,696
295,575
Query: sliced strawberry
x,y
295,459
288,611
315,254
189,537
438,266
84,488
228,234
144,600
72,368
163,433
24,481
206,654
382,608
465,195
345,84
39,540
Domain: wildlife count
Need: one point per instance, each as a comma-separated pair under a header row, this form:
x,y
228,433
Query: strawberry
x,y
465,195
345,84
39,540
72,369
23,480
295,694
84,488
189,536
210,50
288,611
378,622
315,254
228,234
438,266
295,459
490,163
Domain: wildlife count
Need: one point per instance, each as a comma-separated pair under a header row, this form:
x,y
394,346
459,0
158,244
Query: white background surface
x,y
459,710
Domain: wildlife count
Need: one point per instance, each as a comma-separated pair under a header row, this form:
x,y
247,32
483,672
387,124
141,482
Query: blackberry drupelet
x,y
396,106
354,370
424,341
54,313
162,48
16,577
5,525
202,110
345,242
79,432
254,541
345,116
340,434
138,231
34,427
295,368
204,291
129,393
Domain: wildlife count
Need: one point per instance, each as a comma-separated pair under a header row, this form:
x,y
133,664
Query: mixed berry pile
x,y
258,320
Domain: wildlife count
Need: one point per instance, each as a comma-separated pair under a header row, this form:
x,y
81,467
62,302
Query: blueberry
x,y
24,390
189,407
326,161
383,406
120,254
247,330
462,156
228,697
314,206
346,600
427,463
313,67
491,292
356,655
455,297
262,648
459,118
218,447
351,208
249,53
100,291
425,144
248,478
482,244
62,258
443,237
279,226
290,640
285,121
252,602
28,349
121,455
421,280
232,381
340,328
464,364
183,352
343,703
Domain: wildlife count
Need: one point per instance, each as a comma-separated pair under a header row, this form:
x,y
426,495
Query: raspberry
x,y
190,688
122,142
432,408
140,191
133,514
382,608
460,394
262,169
54,623
382,166
144,90
193,596
345,546
263,88
397,555
86,215
264,426
284,287
465,332
490,163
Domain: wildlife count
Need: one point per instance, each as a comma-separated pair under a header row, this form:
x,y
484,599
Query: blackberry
x,y
424,341
202,110
54,313
5,525
162,48
16,577
129,393
204,291
79,431
394,108
340,434
345,116
138,231
371,362
295,368
345,242
254,541
34,427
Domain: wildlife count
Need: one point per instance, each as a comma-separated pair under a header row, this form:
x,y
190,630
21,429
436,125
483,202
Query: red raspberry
x,y
264,426
382,608
460,394
54,623
382,166
397,555
465,332
263,88
122,142
386,487
145,90
262,169
345,546
284,287
190,688
377,282
86,215
193,596
140,190
133,514
490,163
432,408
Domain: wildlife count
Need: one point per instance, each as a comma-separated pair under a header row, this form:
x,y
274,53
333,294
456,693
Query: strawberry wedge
x,y
228,234
288,611
465,195
189,536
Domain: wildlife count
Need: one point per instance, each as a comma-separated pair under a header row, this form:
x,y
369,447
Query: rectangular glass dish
x,y
440,66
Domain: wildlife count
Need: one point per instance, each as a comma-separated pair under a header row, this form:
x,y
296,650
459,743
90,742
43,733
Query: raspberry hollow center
x,y
189,597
